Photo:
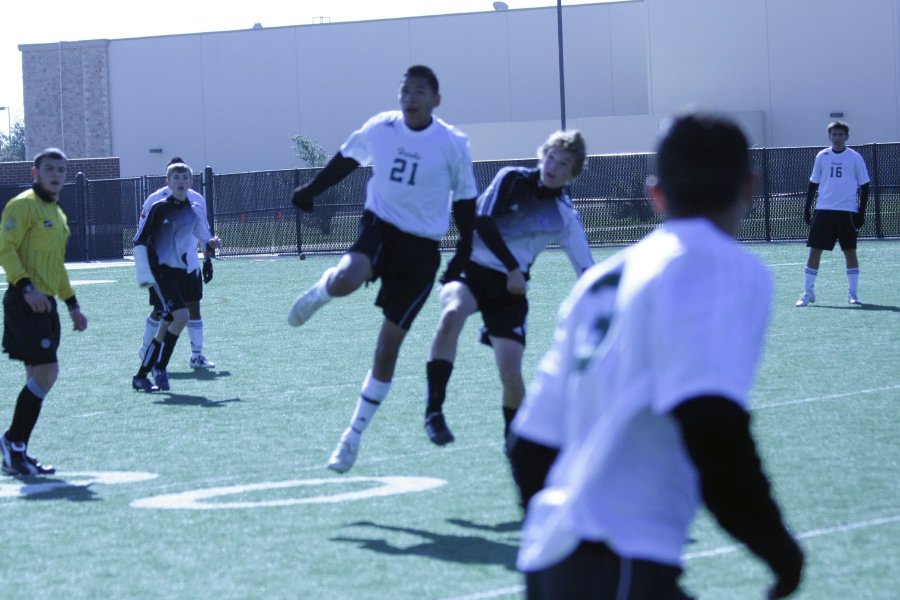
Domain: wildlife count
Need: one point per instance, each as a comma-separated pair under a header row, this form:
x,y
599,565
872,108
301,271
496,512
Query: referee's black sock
x,y
28,408
438,373
165,352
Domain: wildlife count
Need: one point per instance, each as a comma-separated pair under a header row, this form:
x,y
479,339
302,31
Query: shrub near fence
x,y
253,215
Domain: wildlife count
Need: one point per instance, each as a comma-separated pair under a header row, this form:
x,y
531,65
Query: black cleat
x,y
437,430
15,461
142,384
41,469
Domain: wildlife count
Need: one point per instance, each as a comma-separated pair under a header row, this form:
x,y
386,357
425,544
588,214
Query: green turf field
x,y
218,489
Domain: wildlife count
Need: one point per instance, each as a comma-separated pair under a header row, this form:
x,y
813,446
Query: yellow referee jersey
x,y
33,234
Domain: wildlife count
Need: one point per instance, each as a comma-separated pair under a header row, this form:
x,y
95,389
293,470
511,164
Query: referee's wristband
x,y
25,286
72,303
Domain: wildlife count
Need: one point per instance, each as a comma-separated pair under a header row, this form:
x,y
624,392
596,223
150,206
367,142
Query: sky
x,y
52,21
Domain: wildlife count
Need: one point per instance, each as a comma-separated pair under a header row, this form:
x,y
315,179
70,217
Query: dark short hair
x,y
425,73
701,162
52,153
839,125
175,160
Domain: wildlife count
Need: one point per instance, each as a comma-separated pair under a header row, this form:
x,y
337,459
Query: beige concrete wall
x,y
66,89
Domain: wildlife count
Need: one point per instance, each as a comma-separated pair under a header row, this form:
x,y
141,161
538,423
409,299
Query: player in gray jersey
x,y
161,247
421,166
520,213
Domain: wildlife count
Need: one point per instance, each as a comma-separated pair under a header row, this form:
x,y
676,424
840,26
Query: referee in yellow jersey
x,y
33,234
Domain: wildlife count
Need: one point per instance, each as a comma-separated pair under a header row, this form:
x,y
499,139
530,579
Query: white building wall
x,y
233,100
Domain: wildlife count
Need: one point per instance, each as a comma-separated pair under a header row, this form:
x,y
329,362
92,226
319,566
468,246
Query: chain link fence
x,y
253,215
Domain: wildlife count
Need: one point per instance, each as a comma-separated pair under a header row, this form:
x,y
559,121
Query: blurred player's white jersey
x,y
416,175
198,205
839,175
679,315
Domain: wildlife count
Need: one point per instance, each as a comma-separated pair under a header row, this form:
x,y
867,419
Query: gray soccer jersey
x,y
529,223
198,205
170,231
416,175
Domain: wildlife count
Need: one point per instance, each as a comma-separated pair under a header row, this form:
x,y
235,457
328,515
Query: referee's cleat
x,y
437,430
853,299
198,361
806,299
142,384
15,461
344,455
161,377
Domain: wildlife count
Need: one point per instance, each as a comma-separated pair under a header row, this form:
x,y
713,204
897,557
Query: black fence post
x,y
767,197
879,233
297,218
82,208
209,194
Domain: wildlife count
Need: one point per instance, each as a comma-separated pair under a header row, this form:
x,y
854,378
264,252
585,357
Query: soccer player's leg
x,y
193,295
848,238
457,304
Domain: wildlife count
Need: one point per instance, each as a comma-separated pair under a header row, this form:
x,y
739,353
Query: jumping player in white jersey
x,y
420,167
642,399
194,293
520,213
840,177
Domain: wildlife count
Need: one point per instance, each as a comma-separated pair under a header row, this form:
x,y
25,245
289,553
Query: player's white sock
x,y
853,280
372,394
151,325
195,334
809,282
321,286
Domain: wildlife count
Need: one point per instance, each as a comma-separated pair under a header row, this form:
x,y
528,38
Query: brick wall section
x,y
17,173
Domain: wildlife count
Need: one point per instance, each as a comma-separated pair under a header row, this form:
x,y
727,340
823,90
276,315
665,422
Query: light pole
x,y
562,72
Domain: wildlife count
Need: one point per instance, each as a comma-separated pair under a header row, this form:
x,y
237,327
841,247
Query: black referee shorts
x,y
594,572
28,336
504,314
406,264
830,226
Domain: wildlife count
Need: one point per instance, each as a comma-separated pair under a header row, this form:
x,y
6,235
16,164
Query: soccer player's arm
x,y
716,434
16,221
810,196
142,268
859,217
575,243
464,217
337,168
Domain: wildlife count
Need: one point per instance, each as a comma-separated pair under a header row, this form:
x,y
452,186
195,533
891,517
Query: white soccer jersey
x,y
198,204
528,224
679,315
416,175
839,175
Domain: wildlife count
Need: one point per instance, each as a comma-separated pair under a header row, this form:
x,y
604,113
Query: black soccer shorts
x,y
406,264
504,314
28,336
830,226
193,292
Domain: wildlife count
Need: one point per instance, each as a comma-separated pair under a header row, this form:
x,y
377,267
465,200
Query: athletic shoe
x,y
161,377
806,298
15,461
305,306
853,299
437,430
42,469
198,361
142,384
344,455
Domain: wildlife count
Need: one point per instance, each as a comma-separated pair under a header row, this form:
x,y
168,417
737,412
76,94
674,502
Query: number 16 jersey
x,y
416,175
